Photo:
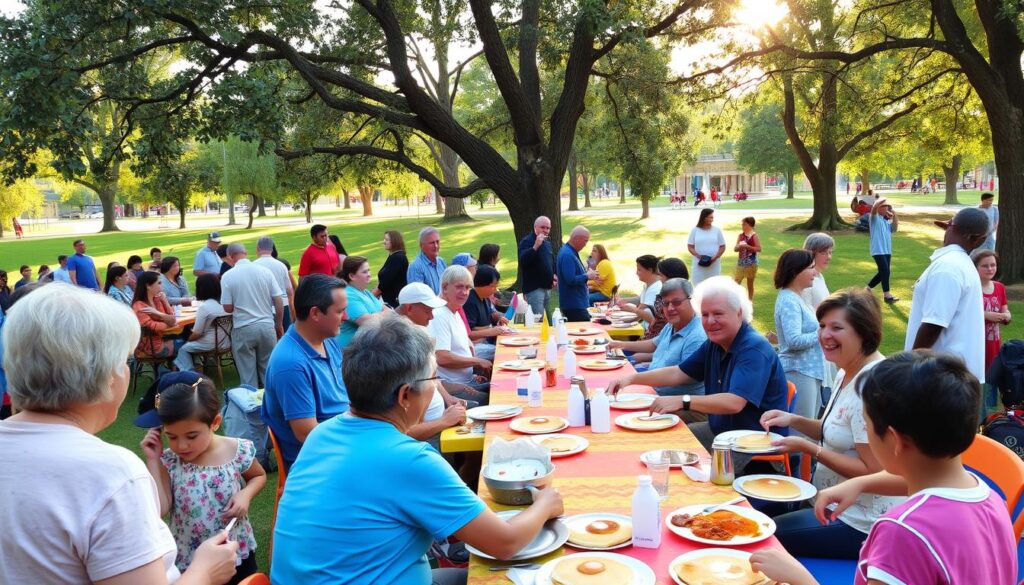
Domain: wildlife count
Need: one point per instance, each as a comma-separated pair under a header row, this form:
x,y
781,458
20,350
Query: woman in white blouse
x,y
850,332
706,244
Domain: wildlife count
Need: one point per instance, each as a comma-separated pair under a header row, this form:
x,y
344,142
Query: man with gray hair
x,y
251,295
683,336
428,266
946,313
265,249
207,261
573,296
456,358
537,265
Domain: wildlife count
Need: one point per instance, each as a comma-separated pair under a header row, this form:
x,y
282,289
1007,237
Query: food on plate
x,y
718,570
601,533
635,401
754,441
584,570
580,341
772,488
657,421
538,424
719,525
560,444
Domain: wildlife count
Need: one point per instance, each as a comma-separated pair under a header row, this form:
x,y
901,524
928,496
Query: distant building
x,y
719,171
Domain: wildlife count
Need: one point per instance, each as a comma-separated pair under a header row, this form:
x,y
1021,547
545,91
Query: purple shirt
x,y
942,536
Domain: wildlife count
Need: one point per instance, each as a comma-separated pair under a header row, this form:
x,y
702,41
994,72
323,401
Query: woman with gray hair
x,y
342,491
99,521
821,245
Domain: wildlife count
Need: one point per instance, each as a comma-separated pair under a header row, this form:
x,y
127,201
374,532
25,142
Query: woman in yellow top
x,y
601,289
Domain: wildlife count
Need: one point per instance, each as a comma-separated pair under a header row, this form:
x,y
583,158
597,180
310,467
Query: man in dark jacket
x,y
537,263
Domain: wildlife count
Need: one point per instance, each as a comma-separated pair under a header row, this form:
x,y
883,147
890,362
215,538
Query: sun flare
x,y
757,13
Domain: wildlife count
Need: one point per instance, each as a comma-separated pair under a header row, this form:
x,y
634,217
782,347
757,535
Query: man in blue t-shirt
x,y
303,381
743,377
573,296
82,269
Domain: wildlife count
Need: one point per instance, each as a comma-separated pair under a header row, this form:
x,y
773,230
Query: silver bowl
x,y
516,492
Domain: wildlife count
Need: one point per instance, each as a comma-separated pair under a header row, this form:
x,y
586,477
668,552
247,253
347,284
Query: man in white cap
x,y
207,261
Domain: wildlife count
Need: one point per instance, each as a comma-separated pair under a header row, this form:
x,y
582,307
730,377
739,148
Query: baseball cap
x,y
148,418
213,237
417,292
464,259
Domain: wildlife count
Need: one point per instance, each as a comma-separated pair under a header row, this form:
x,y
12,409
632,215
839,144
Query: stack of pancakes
x,y
584,570
600,533
718,570
767,487
755,441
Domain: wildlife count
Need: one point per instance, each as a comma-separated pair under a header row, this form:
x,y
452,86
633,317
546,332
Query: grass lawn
x,y
625,238
804,200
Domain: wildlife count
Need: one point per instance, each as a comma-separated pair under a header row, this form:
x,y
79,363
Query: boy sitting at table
x,y
921,410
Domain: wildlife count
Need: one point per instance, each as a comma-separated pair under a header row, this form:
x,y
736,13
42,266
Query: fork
x,y
714,507
527,566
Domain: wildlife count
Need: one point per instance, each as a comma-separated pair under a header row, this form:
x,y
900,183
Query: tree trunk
x,y
1008,148
622,192
107,195
454,208
645,207
181,213
261,206
344,195
952,173
573,196
865,180
366,198
252,209
337,200
789,184
309,207
586,190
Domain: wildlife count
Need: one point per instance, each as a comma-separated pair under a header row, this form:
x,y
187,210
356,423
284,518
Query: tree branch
x,y
852,142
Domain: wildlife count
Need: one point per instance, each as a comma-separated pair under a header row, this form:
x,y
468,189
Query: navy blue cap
x,y
148,418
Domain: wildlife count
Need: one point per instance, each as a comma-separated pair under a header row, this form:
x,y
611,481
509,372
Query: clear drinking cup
x,y
658,466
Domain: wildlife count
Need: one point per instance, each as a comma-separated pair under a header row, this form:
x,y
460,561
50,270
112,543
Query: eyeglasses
x,y
675,304
433,379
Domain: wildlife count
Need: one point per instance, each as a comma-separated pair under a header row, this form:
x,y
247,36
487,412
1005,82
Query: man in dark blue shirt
x,y
573,295
537,262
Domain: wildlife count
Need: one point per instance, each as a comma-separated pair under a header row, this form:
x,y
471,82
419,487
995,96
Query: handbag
x,y
704,261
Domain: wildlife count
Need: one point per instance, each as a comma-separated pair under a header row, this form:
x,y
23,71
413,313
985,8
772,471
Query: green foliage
x,y
18,198
762,146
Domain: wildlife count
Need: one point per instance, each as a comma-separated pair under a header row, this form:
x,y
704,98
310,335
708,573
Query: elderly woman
x,y
457,360
342,494
363,306
742,375
117,286
821,245
173,282
850,332
797,331
155,314
100,519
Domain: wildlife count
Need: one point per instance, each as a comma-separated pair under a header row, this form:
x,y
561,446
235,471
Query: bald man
x,y
573,296
537,265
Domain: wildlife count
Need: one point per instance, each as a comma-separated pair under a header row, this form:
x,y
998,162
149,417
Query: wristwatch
x,y
686,402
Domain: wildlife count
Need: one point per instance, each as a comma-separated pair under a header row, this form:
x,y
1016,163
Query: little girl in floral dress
x,y
204,479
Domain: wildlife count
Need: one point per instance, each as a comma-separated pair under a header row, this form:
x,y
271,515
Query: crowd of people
x,y
404,360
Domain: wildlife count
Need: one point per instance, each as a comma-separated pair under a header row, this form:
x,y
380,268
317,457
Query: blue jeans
x,y
539,300
803,536
598,297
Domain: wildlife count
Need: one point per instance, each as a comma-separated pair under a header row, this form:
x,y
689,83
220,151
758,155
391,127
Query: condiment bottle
x,y
552,350
600,413
646,514
534,389
722,472
577,409
569,363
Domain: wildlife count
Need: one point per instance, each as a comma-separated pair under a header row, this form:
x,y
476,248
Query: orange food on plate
x,y
581,342
718,525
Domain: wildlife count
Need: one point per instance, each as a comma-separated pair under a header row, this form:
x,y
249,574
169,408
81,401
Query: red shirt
x,y
317,260
993,302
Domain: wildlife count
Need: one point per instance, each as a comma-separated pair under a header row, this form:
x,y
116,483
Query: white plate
x,y
706,552
622,315
515,427
587,349
602,365
807,490
494,412
620,399
551,537
522,365
767,525
584,519
625,421
731,437
519,341
688,457
642,574
581,444
586,331
624,325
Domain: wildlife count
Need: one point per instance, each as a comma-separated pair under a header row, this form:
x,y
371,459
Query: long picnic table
x,y
603,477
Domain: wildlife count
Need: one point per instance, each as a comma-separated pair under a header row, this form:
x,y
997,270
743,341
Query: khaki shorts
x,y
745,272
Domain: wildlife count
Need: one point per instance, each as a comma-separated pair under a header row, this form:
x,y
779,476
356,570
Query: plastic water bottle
x,y
600,413
577,409
522,388
646,514
530,319
556,317
563,333
552,351
177,310
535,389
569,363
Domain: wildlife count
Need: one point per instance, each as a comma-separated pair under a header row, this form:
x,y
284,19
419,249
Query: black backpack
x,y
1006,427
1007,373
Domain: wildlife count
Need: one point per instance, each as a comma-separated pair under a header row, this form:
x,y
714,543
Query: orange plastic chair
x,y
782,458
1003,471
257,579
282,475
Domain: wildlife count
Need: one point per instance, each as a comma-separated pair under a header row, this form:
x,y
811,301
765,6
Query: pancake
x,y
640,423
754,441
638,402
539,423
584,570
772,488
600,533
560,444
718,570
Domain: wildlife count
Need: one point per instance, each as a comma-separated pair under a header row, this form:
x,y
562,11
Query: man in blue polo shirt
x,y
573,296
207,261
82,269
303,381
428,266
537,265
743,377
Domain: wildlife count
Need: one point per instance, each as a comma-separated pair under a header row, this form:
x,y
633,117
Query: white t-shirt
x,y
650,292
74,509
706,241
280,272
814,294
842,429
209,310
251,289
450,334
435,409
948,294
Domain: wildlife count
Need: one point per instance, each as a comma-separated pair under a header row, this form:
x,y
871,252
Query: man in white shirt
x,y
456,359
250,293
946,311
265,250
61,274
